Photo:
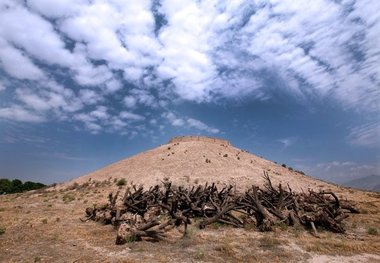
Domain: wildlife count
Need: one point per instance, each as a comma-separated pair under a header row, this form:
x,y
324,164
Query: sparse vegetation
x,y
73,186
187,178
226,248
339,247
22,224
283,165
269,242
67,198
225,155
121,182
372,231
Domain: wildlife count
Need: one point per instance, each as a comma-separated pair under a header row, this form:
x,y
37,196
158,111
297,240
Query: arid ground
x,y
45,225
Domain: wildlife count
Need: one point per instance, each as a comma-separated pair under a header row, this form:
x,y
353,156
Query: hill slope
x,y
44,225
194,159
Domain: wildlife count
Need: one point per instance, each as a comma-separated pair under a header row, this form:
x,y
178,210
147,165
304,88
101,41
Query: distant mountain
x,y
371,182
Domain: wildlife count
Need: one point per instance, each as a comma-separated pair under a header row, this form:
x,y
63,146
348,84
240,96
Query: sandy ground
x,y
196,161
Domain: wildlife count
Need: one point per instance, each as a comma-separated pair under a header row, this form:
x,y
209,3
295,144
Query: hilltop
x,y
198,159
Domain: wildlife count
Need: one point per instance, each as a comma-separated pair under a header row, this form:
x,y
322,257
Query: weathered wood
x,y
140,213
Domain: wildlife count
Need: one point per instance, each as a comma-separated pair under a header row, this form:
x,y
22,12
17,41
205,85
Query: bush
x,y
2,231
121,182
283,165
372,231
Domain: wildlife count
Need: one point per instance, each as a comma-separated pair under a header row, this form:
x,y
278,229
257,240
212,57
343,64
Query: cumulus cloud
x,y
18,64
130,101
16,113
145,54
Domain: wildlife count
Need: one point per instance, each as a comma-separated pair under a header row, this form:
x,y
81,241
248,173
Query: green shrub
x,y
121,182
2,230
372,231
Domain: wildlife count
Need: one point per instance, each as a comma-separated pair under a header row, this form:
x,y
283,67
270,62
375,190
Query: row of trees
x,y
17,186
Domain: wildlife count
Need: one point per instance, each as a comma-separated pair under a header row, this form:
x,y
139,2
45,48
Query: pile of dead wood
x,y
151,213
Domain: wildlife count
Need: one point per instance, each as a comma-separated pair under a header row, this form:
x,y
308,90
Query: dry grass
x,y
335,246
51,230
44,226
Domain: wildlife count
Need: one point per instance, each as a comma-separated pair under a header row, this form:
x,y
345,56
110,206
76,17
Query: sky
x,y
85,83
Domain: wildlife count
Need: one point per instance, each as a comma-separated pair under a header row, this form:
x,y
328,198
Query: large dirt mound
x,y
197,159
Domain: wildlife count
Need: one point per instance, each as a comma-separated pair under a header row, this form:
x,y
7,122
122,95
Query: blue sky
x,y
86,83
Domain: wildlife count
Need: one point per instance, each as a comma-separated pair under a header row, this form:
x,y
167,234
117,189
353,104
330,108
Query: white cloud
x,y
35,35
100,113
57,8
131,116
2,86
143,97
17,64
316,51
173,119
176,121
365,135
89,96
32,100
197,124
113,85
130,102
287,142
93,127
343,171
16,113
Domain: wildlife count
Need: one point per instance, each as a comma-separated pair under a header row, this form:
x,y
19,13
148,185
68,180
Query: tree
x,y
16,186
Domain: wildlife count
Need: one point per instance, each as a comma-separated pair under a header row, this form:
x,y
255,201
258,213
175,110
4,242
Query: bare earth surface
x,y
185,163
45,226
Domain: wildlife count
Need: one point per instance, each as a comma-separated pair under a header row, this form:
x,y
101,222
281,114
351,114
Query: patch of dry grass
x,y
335,246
